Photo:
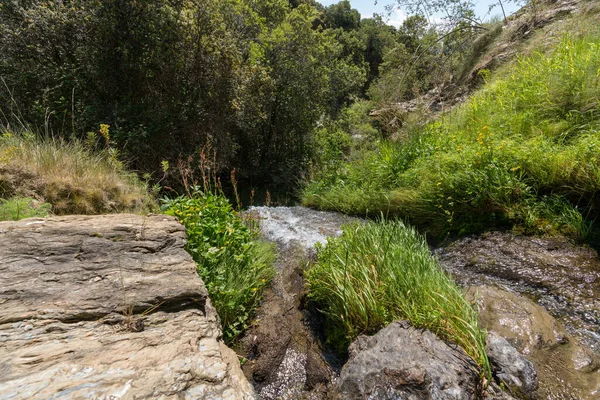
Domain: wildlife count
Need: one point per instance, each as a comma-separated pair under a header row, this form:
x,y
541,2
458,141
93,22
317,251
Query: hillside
x,y
519,152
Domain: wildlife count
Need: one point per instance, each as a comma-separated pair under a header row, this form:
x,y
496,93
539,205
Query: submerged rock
x,y
566,369
108,307
563,278
402,362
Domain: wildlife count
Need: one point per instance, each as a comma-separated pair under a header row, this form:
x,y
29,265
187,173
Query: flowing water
x,y
287,357
558,275
286,353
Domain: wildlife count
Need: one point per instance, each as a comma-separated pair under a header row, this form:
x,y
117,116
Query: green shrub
x,y
522,152
17,208
234,266
379,272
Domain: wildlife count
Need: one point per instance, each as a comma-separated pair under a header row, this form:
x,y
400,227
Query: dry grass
x,y
68,175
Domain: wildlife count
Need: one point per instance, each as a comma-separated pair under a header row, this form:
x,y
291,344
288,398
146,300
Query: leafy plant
x,y
233,264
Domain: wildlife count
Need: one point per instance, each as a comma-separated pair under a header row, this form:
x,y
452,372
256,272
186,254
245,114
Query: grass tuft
x,y
17,208
377,272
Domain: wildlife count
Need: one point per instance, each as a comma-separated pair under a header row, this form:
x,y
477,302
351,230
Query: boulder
x,y
402,362
108,307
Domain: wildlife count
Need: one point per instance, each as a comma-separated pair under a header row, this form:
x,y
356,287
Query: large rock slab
x,y
106,307
401,362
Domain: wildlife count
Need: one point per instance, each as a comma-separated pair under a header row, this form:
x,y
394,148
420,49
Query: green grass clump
x,y
17,208
233,264
73,177
522,152
377,272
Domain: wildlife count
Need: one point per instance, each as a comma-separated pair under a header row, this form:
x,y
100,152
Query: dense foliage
x,y
234,266
252,78
378,272
523,151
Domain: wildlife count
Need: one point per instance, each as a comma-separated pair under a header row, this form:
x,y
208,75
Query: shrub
x,y
234,266
17,208
71,176
379,272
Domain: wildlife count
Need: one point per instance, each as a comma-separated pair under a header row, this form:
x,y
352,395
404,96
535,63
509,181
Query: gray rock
x,y
401,362
108,307
511,366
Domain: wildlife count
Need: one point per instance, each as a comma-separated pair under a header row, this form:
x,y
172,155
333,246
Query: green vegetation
x,y
523,152
234,266
251,78
378,272
287,91
72,176
17,208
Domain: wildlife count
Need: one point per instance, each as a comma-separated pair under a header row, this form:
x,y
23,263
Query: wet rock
x,y
495,392
510,366
403,362
562,277
527,326
566,369
108,307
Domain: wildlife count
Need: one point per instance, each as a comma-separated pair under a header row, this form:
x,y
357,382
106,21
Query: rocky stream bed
x,y
539,294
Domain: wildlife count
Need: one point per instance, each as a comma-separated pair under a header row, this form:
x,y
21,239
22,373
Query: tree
x,y
342,15
250,77
379,39
305,72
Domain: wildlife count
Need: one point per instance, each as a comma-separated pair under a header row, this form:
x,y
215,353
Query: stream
x,y
286,353
287,357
